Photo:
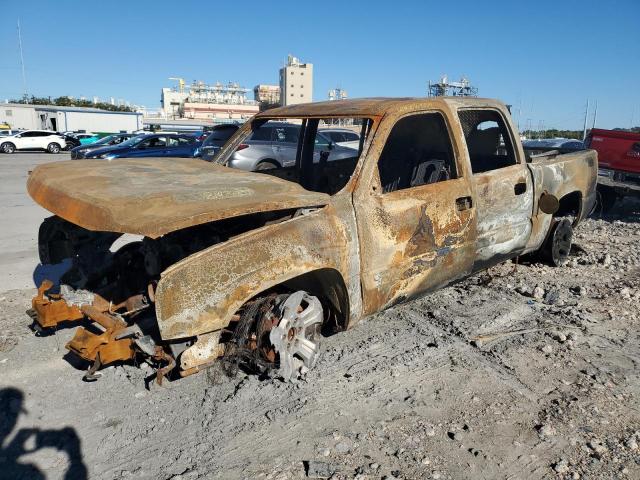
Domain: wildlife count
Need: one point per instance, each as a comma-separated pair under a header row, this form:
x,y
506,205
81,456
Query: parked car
x,y
562,145
255,265
216,139
52,142
110,140
619,164
342,136
151,145
275,144
87,138
70,141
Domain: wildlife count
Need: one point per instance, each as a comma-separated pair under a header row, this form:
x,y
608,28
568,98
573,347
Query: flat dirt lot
x,y
528,373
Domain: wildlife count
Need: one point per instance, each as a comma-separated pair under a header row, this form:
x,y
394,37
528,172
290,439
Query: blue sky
x,y
546,58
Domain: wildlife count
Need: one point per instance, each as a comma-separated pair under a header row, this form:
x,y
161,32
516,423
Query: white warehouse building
x,y
61,119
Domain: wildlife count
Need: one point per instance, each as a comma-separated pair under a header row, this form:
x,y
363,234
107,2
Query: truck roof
x,y
378,106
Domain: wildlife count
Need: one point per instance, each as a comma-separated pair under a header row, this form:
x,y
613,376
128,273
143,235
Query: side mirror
x,y
331,145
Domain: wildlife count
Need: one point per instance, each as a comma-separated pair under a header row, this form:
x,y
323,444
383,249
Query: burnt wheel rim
x,y
561,246
295,339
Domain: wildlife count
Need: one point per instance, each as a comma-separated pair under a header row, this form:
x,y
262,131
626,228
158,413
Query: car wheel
x,y
8,147
558,245
266,165
53,148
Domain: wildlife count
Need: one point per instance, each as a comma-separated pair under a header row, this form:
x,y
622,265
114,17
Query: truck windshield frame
x,y
314,162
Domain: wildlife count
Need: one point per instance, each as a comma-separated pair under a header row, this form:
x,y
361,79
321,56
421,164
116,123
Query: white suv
x,y
33,140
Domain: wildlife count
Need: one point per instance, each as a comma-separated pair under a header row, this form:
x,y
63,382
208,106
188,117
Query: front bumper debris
x,y
115,340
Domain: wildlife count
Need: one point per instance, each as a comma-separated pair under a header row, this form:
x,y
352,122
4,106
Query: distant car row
x,y
272,145
143,145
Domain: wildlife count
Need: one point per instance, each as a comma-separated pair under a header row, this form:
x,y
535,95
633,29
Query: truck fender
x,y
202,292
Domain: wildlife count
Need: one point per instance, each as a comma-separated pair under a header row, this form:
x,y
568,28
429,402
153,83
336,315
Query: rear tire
x,y
266,165
8,147
53,147
607,197
558,245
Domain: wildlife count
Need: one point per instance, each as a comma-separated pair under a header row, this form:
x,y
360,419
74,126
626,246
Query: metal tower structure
x,y
337,94
444,87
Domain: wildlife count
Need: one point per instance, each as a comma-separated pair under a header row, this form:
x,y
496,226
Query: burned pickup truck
x,y
182,262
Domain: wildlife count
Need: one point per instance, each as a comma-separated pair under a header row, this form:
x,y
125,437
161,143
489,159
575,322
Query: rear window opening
x,y
318,154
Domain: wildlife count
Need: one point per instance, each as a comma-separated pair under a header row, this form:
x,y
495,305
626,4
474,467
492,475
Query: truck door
x,y
415,212
503,186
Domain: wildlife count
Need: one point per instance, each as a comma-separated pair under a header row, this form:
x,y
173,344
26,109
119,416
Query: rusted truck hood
x,y
155,196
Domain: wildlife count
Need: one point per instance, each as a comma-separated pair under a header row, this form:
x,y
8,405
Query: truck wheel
x,y
53,148
558,245
54,244
8,147
296,338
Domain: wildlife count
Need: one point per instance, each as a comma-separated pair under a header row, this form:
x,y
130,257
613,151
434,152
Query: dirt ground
x,y
526,372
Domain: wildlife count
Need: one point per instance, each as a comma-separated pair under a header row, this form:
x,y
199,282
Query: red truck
x,y
618,163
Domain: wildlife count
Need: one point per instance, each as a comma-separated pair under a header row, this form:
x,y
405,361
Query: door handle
x,y
464,203
519,188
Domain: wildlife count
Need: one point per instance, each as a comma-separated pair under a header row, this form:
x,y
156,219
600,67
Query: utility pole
x,y
24,77
584,128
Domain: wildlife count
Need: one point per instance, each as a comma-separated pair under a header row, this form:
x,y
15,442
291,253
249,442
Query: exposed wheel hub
x,y
561,242
296,337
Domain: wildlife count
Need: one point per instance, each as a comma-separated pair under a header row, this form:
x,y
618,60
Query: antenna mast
x,y
24,77
584,128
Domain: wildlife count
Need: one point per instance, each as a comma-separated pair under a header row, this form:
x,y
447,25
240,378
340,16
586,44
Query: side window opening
x,y
488,141
418,152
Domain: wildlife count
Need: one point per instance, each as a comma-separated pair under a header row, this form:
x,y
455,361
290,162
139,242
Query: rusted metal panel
x,y
413,240
202,292
156,196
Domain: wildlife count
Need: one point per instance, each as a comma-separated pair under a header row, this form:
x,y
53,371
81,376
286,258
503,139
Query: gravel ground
x,y
525,372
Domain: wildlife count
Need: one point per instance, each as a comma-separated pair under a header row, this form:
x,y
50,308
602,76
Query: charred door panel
x,y
416,220
504,200
415,240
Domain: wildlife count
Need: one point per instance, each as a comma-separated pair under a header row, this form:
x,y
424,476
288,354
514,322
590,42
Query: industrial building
x,y
62,119
267,96
216,103
296,82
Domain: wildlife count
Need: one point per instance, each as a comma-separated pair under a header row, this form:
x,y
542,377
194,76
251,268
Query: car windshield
x,y
295,150
105,140
133,141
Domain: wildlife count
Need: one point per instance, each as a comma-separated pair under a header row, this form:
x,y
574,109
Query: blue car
x,y
151,145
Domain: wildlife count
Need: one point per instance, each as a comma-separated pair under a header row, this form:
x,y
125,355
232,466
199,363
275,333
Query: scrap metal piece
x,y
76,298
51,311
161,356
295,337
206,349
